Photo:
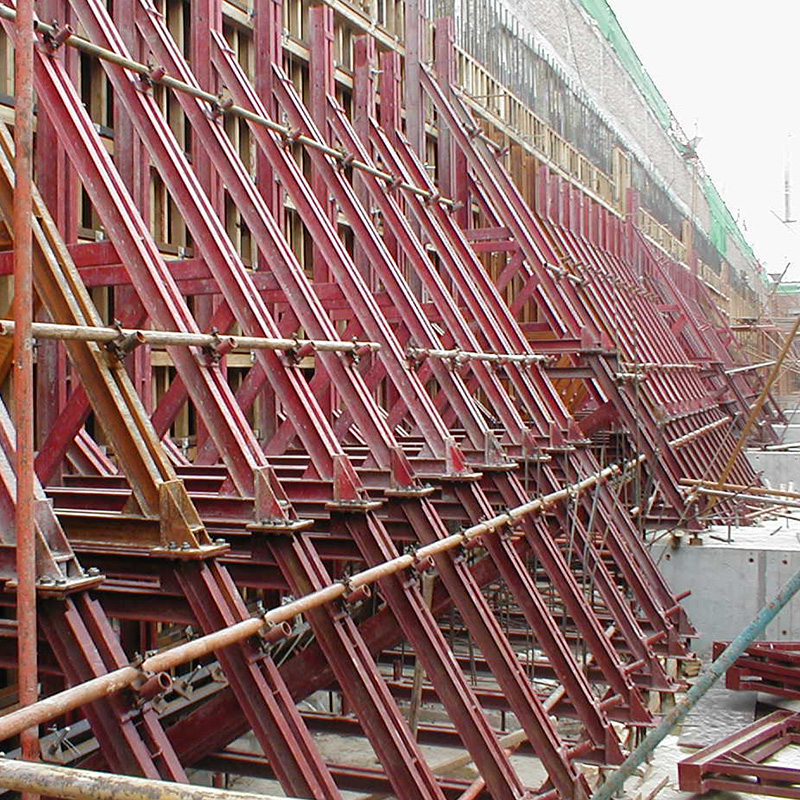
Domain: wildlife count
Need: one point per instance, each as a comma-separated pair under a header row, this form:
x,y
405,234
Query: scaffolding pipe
x,y
692,435
81,784
749,367
652,366
23,390
457,355
708,679
214,341
738,487
752,498
750,423
54,706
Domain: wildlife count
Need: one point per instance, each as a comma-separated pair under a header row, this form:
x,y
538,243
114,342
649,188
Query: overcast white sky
x,y
729,70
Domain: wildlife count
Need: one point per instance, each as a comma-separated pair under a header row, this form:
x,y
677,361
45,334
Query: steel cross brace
x,y
668,389
550,638
341,128
468,283
547,551
494,645
152,280
504,197
258,686
564,313
80,635
222,261
103,377
357,292
462,267
417,623
357,675
653,444
196,735
49,86
132,739
270,239
699,333
445,304
351,143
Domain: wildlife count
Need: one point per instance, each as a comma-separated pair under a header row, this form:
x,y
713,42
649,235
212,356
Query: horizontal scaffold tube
x,y
458,355
219,105
652,366
214,341
54,706
738,487
50,780
692,435
751,498
749,367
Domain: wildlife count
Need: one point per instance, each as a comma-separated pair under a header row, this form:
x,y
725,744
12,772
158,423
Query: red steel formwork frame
x,y
430,410
737,763
770,667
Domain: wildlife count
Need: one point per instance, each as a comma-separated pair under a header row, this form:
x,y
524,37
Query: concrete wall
x,y
789,433
730,584
778,467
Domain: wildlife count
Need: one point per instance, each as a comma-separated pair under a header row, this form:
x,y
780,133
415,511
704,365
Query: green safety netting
x,y
722,222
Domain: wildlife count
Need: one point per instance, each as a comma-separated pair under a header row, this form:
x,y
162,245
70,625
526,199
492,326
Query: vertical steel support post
x,y
27,676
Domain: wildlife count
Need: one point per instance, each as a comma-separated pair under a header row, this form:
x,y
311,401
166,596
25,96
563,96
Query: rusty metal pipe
x,y
81,784
692,435
88,333
23,392
651,366
738,487
751,498
468,355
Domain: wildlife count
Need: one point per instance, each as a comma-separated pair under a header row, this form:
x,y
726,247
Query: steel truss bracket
x,y
58,590
180,524
190,553
271,504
